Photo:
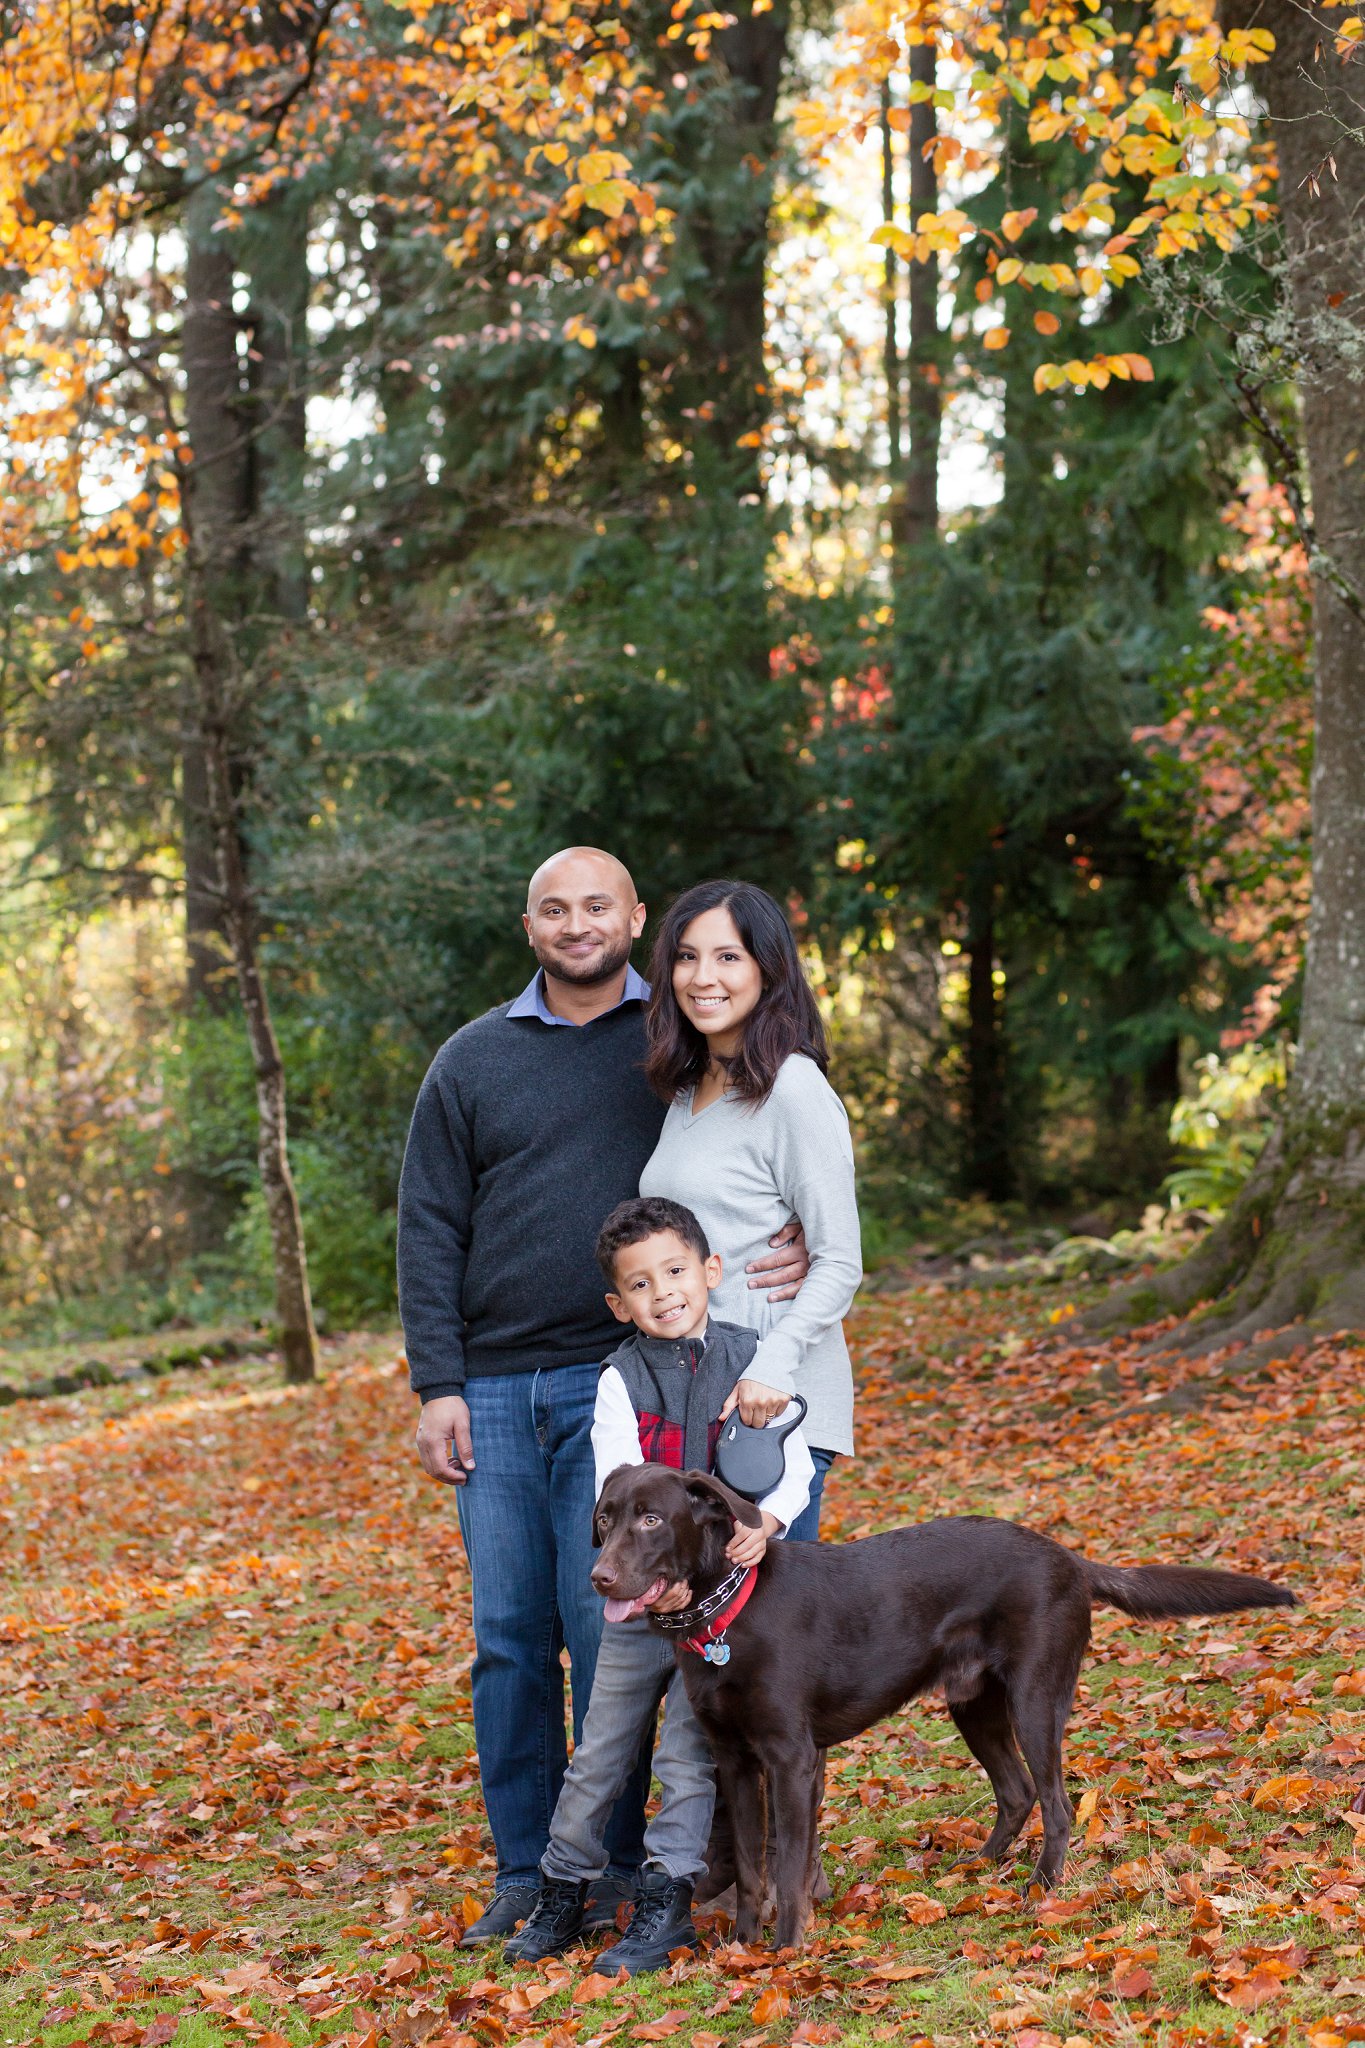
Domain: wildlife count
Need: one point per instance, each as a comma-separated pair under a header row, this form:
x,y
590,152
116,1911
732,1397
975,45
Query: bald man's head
x,y
603,868
582,915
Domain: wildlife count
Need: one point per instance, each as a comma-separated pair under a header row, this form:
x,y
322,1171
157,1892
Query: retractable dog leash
x,y
751,1461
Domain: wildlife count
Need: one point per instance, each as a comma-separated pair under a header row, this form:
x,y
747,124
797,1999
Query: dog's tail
x,y
1156,1590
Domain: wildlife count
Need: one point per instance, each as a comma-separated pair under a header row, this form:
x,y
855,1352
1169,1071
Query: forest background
x,y
865,447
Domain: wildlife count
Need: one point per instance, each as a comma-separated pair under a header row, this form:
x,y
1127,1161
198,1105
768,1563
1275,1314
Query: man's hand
x,y
678,1596
758,1405
782,1272
444,1443
747,1546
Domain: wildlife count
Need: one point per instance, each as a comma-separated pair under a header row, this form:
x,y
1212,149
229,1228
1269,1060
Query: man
x,y
533,1122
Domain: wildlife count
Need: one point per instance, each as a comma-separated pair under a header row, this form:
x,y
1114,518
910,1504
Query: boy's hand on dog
x,y
758,1405
747,1546
445,1443
678,1596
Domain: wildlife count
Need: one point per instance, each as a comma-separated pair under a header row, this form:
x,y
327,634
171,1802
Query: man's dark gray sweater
x,y
525,1137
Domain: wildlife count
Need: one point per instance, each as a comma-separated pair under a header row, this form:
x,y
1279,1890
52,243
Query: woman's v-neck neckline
x,y
694,1115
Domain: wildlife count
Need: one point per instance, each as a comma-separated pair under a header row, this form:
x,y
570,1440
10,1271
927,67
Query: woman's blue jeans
x,y
526,1518
806,1527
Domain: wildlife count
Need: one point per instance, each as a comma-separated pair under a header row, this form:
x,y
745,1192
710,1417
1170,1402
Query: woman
x,y
755,1135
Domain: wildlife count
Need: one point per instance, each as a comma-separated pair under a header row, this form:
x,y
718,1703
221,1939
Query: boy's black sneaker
x,y
500,1917
661,1922
555,1922
606,1895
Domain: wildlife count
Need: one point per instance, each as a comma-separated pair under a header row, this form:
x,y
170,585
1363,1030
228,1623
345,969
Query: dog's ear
x,y
712,1500
606,1489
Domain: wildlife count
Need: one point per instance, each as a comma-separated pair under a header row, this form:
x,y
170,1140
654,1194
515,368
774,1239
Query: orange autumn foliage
x,y
111,121
1140,95
243,1795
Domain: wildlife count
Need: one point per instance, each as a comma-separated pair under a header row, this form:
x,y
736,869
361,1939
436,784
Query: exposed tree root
x,y
1285,1266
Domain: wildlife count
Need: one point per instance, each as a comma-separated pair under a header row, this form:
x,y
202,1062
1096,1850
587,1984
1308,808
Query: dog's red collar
x,y
709,1640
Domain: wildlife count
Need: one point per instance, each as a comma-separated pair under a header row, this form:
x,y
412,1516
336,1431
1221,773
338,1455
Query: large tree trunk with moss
x,y
1292,1249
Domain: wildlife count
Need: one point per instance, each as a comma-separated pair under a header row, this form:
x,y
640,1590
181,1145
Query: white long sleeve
x,y
615,1427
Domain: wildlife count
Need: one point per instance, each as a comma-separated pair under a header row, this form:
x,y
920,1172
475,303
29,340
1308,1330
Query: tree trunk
x,y
623,412
218,506
218,492
988,1151
925,395
735,241
891,349
1293,1245
214,666
1312,99
276,249
206,962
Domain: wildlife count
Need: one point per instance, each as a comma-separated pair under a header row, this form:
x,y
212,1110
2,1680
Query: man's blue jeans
x,y
526,1518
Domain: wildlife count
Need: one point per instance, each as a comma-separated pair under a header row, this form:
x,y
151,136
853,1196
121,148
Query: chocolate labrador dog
x,y
822,1639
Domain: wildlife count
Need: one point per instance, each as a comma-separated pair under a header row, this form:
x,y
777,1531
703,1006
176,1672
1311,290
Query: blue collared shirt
x,y
531,1002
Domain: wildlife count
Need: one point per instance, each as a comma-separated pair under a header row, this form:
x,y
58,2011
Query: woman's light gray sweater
x,y
745,1172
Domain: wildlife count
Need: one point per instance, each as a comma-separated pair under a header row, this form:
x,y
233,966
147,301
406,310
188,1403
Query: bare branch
x,y
1284,459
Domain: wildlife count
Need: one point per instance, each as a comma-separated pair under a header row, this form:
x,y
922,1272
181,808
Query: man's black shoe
x,y
555,1923
606,1895
661,1922
508,1906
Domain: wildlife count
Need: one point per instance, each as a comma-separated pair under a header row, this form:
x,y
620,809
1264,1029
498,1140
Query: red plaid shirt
x,y
662,1440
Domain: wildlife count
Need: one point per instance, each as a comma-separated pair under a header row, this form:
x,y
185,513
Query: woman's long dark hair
x,y
784,1020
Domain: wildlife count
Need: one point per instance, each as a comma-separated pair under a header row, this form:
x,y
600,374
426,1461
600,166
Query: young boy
x,y
659,1401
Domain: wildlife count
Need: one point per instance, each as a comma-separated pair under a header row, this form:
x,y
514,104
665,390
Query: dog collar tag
x,y
717,1652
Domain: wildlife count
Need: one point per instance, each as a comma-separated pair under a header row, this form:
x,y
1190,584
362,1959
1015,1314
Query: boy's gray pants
x,y
635,1670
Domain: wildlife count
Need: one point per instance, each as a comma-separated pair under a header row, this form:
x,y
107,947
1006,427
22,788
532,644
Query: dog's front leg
x,y
742,1789
794,1780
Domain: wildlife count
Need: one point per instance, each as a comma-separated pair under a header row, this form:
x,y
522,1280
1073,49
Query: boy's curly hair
x,y
645,1216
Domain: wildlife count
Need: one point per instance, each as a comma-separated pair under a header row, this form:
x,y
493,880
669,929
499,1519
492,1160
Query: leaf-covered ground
x,y
242,1804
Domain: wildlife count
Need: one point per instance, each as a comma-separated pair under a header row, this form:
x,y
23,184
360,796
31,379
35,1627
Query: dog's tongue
x,y
626,1610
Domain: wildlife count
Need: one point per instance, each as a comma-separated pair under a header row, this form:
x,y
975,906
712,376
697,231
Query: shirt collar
x,y
667,1350
531,1002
